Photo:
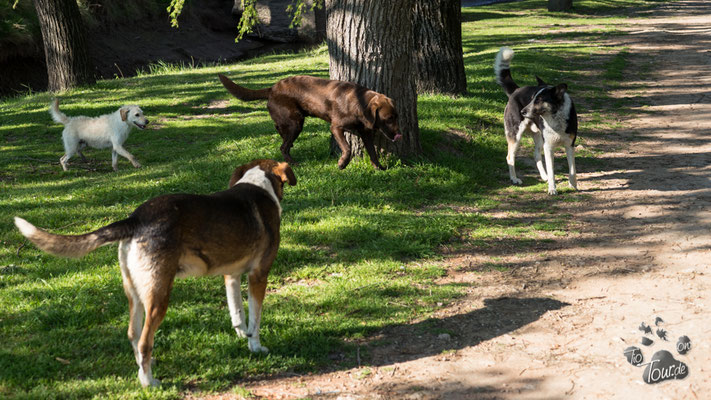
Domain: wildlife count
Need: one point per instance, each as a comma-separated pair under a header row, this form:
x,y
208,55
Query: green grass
x,y
360,248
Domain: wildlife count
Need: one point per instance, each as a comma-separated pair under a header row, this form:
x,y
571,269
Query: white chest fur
x,y
558,121
554,125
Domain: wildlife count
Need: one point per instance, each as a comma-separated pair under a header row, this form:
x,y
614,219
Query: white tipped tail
x,y
58,116
61,245
502,62
502,70
27,229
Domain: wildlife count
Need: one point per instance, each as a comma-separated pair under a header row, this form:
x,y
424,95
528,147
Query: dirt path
x,y
557,326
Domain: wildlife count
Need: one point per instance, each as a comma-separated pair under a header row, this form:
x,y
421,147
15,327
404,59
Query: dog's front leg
x,y
572,176
367,137
234,302
118,149
537,150
343,144
257,290
548,152
114,160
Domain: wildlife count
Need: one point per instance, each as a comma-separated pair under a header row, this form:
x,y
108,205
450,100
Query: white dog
x,y
109,130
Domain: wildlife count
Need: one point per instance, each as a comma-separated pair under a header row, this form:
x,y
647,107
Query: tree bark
x,y
65,45
438,51
560,5
370,43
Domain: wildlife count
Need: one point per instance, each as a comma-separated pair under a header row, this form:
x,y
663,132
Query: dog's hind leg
x,y
135,306
234,302
155,302
511,159
288,121
82,146
289,132
537,150
257,290
71,144
572,176
151,272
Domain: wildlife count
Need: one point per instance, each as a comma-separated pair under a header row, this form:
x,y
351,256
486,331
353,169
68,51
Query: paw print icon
x,y
662,366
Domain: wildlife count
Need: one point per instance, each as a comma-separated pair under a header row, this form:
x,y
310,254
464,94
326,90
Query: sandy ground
x,y
557,325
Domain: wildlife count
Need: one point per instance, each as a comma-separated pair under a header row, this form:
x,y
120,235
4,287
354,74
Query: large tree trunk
x,y
560,5
438,50
65,45
370,43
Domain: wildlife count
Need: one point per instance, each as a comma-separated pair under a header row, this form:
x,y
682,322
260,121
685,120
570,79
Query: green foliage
x,y
361,249
175,8
249,18
300,7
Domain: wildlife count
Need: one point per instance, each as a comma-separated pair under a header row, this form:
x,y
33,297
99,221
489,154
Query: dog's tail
x,y
58,116
243,93
502,69
76,245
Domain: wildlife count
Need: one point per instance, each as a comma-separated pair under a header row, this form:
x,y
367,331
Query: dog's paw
x,y
256,347
241,332
147,380
137,164
516,181
552,191
573,184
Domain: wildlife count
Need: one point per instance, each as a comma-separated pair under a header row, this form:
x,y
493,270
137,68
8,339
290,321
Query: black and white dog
x,y
544,111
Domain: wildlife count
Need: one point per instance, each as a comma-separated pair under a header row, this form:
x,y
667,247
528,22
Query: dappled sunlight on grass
x,y
360,248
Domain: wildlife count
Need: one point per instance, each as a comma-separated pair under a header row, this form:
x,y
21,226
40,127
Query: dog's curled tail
x,y
76,245
58,116
502,70
243,93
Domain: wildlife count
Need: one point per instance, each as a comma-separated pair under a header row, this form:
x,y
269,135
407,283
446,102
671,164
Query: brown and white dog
x,y
228,233
347,106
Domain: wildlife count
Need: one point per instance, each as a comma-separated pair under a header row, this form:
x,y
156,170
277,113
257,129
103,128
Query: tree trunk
x,y
438,51
65,46
370,43
560,5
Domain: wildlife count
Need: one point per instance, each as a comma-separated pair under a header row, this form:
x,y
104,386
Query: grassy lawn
x,y
359,247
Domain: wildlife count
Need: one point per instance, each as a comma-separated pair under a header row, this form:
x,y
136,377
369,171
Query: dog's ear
x,y
237,175
124,113
560,90
540,81
285,173
371,113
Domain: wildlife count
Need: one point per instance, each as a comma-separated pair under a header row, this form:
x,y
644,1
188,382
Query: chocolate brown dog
x,y
228,233
347,106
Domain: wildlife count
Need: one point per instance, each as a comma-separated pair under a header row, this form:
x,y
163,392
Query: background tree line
x,y
399,48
